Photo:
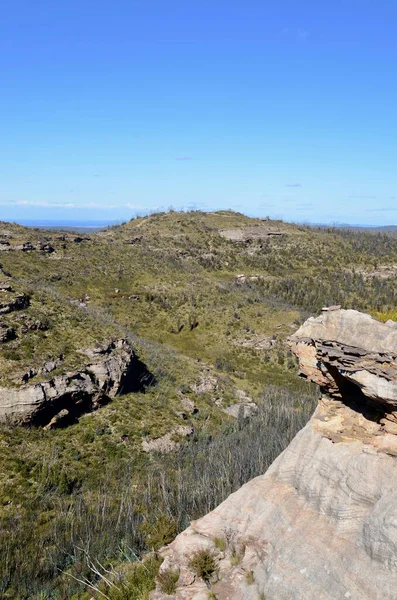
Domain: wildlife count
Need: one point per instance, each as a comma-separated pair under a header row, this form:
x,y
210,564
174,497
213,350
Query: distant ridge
x,y
96,224
68,225
67,222
368,228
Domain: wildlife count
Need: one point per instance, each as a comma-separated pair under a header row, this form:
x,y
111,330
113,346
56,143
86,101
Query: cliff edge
x,y
321,523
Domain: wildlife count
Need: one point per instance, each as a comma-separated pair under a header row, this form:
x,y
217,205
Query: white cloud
x,y
74,205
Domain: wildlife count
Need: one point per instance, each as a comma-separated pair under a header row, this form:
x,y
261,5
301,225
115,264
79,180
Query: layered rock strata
x,y
321,524
107,371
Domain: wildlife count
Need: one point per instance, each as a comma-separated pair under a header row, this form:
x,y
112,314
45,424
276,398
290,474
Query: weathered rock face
x,y
321,524
11,302
249,234
110,370
5,246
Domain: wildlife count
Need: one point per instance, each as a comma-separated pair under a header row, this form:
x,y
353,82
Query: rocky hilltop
x,y
321,523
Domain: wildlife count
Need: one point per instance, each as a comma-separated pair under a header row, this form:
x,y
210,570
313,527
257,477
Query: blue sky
x,y
284,108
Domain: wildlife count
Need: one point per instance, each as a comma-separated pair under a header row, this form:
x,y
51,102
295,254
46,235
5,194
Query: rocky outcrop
x,y
321,523
10,302
169,442
250,234
6,333
243,408
108,371
256,341
5,246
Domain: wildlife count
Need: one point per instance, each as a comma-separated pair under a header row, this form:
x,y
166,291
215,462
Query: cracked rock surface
x,y
321,523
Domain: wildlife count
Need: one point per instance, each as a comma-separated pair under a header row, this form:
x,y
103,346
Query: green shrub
x,y
159,531
167,581
203,563
137,584
237,554
220,543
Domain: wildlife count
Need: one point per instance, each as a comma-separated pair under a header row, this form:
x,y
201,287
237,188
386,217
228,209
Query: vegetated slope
x,y
207,300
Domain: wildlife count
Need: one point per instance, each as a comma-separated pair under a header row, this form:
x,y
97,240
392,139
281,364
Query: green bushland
x,y
167,282
115,515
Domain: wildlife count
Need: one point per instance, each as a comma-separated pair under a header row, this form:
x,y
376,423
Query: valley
x,y
145,375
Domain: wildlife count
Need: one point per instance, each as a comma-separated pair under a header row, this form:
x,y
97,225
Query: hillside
x,y
205,302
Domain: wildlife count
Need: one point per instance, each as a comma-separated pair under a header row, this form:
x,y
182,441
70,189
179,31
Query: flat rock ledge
x,y
107,371
321,523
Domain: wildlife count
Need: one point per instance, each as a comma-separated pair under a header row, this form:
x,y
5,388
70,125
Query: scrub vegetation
x,y
207,300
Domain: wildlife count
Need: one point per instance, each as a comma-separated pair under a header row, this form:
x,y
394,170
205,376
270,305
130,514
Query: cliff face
x,y
322,522
106,372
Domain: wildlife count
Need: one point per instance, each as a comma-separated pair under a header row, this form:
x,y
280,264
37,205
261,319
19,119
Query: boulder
x,y
320,524
6,333
168,442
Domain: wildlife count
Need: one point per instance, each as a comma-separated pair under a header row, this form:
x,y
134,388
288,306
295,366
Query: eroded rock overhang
x,y
353,358
106,371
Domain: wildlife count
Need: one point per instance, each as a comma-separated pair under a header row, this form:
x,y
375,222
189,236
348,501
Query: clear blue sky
x,y
285,108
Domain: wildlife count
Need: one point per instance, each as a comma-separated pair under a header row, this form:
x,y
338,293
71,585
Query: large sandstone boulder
x,y
321,524
108,371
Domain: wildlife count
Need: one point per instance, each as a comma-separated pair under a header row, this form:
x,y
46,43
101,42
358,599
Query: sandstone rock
x,y
346,352
13,302
391,323
241,410
188,406
45,247
256,342
382,272
5,246
5,286
244,408
134,240
6,333
248,234
207,384
30,324
168,442
57,420
321,523
112,371
247,278
28,375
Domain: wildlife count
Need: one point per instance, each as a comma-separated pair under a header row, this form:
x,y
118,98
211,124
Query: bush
x,y
167,581
203,564
220,543
159,532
